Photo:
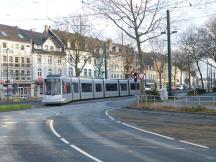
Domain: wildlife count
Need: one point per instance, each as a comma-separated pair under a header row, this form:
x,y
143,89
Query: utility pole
x,y
207,79
169,55
105,58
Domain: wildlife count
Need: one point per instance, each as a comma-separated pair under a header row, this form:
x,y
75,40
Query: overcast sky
x,y
34,14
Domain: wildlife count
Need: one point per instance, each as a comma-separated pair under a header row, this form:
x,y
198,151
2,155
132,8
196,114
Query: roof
x,y
13,33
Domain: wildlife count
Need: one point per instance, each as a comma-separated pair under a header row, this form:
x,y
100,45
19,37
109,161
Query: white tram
x,y
62,89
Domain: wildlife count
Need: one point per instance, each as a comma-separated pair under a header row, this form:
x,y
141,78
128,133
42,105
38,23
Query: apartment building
x,y
15,62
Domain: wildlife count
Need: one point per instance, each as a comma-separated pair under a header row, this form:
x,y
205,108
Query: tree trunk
x,y
160,80
181,76
141,63
197,63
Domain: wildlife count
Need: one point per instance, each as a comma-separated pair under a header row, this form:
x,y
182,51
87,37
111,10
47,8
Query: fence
x,y
207,101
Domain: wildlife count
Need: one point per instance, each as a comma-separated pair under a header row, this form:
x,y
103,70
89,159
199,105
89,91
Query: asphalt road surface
x,y
87,132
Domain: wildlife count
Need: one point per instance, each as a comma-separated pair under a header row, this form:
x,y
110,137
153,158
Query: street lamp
x,y
7,76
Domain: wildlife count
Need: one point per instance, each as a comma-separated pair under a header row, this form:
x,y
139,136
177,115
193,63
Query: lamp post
x,y
7,76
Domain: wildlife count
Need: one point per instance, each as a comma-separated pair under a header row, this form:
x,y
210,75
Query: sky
x,y
35,14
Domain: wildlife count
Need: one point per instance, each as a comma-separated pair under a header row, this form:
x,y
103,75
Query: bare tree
x,y
128,61
140,19
208,39
160,60
180,62
99,63
79,46
191,45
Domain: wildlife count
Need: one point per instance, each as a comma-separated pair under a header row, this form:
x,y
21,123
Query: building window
x,y
59,71
4,45
22,47
49,59
49,71
22,72
11,58
16,59
85,72
89,72
28,60
28,73
46,47
59,60
51,48
113,49
11,72
70,58
22,60
95,74
16,46
39,72
20,36
5,58
39,58
70,71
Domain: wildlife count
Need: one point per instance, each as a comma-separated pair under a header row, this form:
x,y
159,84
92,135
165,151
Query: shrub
x,y
152,92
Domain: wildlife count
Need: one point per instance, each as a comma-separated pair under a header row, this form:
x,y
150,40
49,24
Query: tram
x,y
63,89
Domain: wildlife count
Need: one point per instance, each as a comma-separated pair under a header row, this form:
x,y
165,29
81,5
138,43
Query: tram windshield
x,y
52,86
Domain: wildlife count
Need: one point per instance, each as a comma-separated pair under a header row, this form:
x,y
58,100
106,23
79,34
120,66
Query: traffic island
x,y
13,107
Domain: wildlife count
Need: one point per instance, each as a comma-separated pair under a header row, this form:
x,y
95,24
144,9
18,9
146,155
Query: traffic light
x,y
135,77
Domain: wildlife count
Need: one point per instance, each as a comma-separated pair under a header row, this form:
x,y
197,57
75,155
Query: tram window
x,y
123,87
111,87
98,87
68,87
52,86
138,86
86,87
75,86
134,86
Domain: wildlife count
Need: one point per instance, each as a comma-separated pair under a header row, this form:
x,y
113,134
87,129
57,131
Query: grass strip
x,y
158,107
14,107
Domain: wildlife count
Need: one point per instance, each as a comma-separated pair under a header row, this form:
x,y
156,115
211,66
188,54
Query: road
x,y
88,132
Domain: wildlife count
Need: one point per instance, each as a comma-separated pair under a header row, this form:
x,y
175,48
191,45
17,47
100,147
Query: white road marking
x,y
111,117
85,153
73,146
53,130
194,144
106,112
65,141
170,138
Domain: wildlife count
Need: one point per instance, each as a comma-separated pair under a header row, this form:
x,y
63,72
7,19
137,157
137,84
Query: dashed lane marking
x,y
85,153
71,145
